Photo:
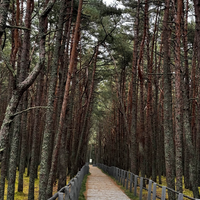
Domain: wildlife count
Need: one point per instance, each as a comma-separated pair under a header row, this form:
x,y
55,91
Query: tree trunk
x,y
133,147
13,159
88,105
65,102
185,81
3,172
24,67
63,155
168,125
150,129
17,94
35,140
3,15
178,100
188,133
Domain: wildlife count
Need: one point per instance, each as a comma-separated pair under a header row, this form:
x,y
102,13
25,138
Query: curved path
x,y
102,187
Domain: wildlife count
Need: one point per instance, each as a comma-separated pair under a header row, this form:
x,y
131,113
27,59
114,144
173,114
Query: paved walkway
x,y
102,187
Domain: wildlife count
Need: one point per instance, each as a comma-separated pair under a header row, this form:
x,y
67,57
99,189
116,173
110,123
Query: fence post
x,y
180,196
154,191
71,194
163,192
118,174
75,188
131,182
135,185
66,192
127,180
149,190
124,177
121,175
141,187
60,196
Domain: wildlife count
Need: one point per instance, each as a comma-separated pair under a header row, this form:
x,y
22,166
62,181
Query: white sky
x,y
113,2
108,2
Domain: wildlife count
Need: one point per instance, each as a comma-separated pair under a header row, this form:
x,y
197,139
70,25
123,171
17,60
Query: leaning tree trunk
x,y
22,87
65,102
88,105
17,94
46,146
63,156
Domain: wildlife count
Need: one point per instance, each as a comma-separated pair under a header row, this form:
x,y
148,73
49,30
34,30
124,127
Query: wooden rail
x,y
71,191
134,183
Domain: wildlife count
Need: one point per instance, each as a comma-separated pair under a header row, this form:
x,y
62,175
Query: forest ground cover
x,y
24,195
145,193
159,190
83,188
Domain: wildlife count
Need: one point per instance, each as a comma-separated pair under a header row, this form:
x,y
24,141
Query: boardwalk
x,y
102,187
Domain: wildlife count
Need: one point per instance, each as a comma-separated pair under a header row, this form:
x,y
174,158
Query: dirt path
x,y
102,187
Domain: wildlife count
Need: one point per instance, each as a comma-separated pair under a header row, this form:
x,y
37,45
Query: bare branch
x,y
18,27
31,108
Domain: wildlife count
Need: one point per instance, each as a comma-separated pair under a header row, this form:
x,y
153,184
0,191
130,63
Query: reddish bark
x,y
178,106
65,100
167,105
88,105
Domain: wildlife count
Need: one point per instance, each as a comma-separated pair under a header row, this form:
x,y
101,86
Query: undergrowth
x,y
83,188
127,192
24,195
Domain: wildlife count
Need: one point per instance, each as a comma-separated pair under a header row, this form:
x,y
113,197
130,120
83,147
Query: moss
x,y
127,192
24,195
83,188
20,195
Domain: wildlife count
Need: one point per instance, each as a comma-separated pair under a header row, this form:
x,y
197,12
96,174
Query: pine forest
x,y
118,83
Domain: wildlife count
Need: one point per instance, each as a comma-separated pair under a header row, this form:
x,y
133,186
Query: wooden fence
x,y
135,184
71,191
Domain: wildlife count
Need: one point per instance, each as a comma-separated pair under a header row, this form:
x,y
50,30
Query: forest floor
x,y
93,180
164,183
101,187
24,195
